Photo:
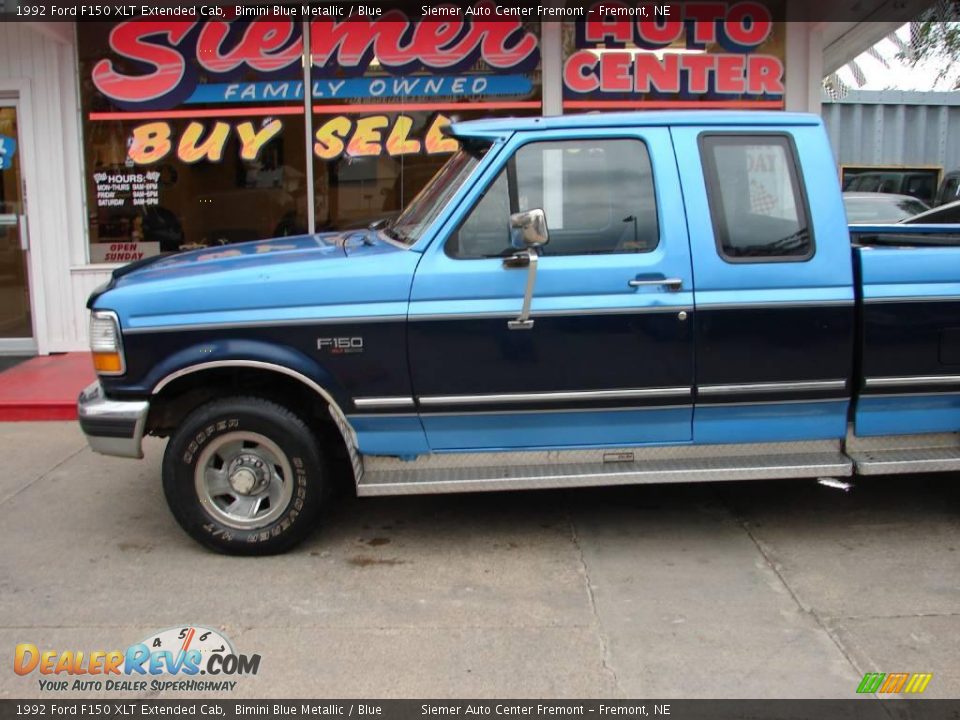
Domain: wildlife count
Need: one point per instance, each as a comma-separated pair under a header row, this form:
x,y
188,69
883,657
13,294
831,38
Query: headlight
x,y
106,343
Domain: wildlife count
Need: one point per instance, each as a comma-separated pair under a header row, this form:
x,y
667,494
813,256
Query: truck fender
x,y
258,355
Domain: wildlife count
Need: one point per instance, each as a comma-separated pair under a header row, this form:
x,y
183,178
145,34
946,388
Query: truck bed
x,y
908,328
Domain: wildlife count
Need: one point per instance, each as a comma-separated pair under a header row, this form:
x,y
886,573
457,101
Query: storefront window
x,y
378,129
194,133
179,164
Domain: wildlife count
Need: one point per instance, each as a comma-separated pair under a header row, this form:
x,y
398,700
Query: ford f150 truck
x,y
570,301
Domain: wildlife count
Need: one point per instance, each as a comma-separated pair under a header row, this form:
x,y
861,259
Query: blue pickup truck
x,y
571,301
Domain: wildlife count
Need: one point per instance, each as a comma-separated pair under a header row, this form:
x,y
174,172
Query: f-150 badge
x,y
340,345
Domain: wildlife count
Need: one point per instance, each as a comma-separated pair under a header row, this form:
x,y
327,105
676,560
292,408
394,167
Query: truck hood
x,y
272,252
299,276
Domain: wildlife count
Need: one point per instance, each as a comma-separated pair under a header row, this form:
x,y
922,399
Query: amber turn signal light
x,y
107,362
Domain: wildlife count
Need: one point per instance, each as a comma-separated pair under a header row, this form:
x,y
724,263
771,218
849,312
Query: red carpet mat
x,y
45,387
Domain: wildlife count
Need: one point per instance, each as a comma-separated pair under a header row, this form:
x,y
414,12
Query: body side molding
x,y
911,381
554,396
383,402
761,387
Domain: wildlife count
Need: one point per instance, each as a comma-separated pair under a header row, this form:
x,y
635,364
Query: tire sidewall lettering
x,y
201,438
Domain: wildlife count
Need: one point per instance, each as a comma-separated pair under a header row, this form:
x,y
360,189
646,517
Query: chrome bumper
x,y
112,427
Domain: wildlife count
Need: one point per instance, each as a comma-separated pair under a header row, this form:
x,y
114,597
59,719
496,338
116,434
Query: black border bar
x,y
867,707
509,10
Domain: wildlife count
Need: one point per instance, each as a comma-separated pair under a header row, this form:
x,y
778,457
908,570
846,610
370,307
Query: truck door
x,y
774,320
607,357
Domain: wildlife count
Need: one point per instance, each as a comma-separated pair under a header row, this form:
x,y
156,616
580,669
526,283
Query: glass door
x,y
16,322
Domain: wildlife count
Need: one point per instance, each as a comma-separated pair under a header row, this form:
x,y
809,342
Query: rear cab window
x,y
755,192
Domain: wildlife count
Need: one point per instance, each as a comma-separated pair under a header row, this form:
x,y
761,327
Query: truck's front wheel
x,y
244,476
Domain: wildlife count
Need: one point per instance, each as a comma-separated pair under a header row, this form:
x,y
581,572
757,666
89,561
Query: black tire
x,y
208,519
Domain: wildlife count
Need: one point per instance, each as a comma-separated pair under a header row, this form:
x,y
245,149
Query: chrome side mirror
x,y
528,230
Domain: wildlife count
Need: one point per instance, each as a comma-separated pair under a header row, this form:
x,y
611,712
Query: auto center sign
x,y
705,52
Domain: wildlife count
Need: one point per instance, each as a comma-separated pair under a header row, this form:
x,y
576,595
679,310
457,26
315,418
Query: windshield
x,y
428,203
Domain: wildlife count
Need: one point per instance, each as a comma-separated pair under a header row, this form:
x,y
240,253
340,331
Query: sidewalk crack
x,y
774,567
4,500
895,616
606,666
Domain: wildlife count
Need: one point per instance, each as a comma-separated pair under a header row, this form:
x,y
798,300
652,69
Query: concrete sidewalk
x,y
767,590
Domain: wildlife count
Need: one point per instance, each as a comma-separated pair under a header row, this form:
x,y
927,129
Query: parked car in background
x,y
871,208
949,188
944,214
920,183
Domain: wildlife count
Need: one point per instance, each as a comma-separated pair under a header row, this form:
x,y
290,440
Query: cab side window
x,y
756,199
598,197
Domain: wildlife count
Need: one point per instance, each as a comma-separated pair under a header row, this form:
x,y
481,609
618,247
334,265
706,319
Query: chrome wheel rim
x,y
244,480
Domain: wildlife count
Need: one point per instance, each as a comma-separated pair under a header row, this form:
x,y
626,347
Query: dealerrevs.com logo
x,y
185,658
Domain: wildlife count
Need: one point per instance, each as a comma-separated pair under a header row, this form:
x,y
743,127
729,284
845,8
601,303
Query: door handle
x,y
671,284
24,233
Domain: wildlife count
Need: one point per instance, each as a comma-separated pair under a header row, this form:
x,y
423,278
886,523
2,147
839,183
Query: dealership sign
x,y
701,50
170,57
236,80
364,136
381,88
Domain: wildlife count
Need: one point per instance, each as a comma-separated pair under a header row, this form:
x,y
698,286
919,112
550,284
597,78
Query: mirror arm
x,y
518,260
528,259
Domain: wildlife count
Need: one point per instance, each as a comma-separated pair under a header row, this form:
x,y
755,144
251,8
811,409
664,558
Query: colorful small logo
x,y
893,683
8,146
183,652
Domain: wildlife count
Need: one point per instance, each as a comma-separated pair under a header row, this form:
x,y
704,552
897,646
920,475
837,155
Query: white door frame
x,y
15,92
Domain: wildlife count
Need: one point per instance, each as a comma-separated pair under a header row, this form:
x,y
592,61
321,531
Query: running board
x,y
905,453
388,476
890,462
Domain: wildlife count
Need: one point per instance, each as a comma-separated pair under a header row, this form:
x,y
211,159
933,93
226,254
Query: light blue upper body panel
x,y
324,276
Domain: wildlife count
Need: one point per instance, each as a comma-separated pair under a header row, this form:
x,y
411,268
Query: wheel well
x,y
182,396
